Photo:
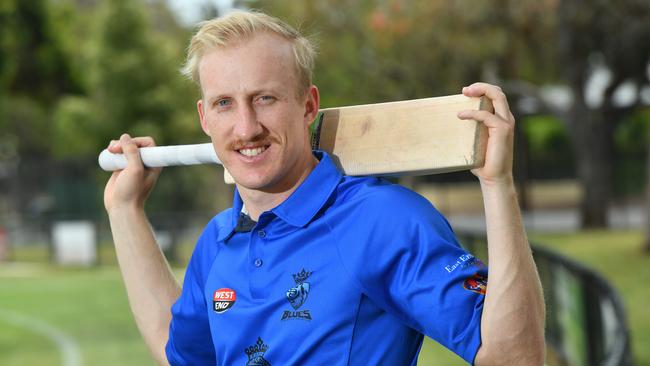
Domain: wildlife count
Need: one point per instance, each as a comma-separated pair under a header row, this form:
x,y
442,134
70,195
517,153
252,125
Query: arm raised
x,y
512,324
150,283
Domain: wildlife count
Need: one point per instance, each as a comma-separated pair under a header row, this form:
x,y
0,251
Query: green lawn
x,y
90,306
618,257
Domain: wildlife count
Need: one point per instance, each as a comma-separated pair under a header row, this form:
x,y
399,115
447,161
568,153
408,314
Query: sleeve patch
x,y
477,283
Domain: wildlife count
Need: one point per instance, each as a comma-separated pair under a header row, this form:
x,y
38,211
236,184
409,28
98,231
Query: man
x,y
310,267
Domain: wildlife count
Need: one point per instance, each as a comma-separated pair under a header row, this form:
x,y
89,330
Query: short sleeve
x,y
405,257
190,340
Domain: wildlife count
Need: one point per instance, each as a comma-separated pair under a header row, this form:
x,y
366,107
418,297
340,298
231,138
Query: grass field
x,y
89,306
618,257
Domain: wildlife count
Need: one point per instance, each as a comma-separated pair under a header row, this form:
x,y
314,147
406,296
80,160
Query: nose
x,y
247,127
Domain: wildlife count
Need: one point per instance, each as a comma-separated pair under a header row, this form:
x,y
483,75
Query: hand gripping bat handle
x,y
160,156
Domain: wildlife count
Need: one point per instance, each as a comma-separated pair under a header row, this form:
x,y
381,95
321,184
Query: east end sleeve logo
x,y
464,261
477,283
297,296
224,299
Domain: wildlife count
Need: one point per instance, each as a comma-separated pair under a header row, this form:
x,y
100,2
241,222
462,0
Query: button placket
x,y
258,270
258,262
257,243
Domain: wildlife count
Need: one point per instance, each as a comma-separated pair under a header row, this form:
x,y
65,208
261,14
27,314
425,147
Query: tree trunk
x,y
646,244
593,147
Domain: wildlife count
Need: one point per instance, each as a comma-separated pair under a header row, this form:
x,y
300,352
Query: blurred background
x,y
76,73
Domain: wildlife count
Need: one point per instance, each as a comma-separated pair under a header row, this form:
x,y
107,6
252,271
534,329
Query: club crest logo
x,y
256,352
223,299
477,283
297,296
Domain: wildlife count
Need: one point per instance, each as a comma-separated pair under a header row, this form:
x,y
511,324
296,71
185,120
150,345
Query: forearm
x,y
150,283
512,325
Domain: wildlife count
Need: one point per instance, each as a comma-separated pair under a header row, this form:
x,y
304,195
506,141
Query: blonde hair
x,y
239,25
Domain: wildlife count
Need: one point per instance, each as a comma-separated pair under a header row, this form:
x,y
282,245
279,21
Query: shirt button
x,y
258,262
261,233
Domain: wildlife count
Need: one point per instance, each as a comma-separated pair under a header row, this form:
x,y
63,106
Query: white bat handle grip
x,y
160,156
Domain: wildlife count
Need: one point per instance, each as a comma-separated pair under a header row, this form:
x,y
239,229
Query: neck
x,y
259,201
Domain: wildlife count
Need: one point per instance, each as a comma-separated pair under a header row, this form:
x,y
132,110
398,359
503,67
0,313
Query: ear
x,y
312,104
204,125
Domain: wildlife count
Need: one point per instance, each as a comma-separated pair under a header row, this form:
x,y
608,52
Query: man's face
x,y
254,114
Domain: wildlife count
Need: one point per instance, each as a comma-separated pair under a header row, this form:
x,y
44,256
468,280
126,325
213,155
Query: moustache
x,y
248,144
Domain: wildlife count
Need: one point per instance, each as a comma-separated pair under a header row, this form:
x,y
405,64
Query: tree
x,y
35,71
136,87
595,36
646,244
33,61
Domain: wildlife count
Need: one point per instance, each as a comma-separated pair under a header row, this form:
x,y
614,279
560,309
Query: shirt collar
x,y
303,204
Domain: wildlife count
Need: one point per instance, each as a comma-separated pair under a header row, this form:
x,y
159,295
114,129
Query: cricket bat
x,y
412,137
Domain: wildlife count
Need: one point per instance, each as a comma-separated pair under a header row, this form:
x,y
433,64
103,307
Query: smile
x,y
252,152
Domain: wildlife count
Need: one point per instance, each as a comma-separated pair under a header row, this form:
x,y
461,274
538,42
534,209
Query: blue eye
x,y
266,99
223,102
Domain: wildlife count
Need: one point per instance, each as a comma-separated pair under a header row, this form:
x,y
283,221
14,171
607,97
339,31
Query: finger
x,y
146,141
496,95
130,151
114,147
487,118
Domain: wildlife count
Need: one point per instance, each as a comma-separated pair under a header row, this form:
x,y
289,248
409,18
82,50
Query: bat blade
x,y
421,136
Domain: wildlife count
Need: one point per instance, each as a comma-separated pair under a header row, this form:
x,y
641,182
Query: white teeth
x,y
252,152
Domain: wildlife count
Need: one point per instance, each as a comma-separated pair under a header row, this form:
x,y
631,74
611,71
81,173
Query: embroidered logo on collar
x,y
223,299
477,283
297,296
256,352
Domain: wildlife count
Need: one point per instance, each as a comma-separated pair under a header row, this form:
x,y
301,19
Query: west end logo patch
x,y
477,283
256,352
223,299
297,296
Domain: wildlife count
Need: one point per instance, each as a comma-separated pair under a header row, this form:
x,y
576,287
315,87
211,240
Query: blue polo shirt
x,y
346,271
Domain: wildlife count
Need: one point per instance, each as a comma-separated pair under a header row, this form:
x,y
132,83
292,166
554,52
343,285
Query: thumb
x,y
130,151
